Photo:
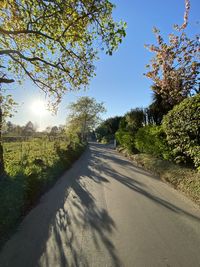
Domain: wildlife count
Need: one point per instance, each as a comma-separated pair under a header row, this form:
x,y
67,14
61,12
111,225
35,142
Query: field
x,y
21,154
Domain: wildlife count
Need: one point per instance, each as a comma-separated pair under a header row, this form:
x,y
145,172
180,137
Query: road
x,y
107,212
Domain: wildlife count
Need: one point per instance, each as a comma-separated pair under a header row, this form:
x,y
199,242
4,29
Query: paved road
x,y
106,212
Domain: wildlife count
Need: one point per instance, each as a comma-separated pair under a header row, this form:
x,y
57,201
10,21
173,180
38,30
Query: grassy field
x,y
21,154
32,167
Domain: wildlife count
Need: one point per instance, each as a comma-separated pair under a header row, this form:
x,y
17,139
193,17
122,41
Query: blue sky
x,y
119,81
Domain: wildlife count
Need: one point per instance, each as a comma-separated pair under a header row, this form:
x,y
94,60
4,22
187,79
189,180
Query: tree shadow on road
x,y
113,156
129,181
66,224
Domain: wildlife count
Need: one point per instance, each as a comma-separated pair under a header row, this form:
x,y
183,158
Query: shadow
x,y
99,154
115,157
66,224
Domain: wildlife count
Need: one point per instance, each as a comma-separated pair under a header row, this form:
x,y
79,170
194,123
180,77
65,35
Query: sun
x,y
39,108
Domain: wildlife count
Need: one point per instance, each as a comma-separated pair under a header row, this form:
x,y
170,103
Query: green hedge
x,y
182,127
125,139
152,140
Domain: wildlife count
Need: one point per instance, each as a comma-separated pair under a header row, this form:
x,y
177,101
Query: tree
x,y
134,119
10,127
54,130
108,128
54,43
175,67
47,130
157,109
29,129
84,115
18,130
61,129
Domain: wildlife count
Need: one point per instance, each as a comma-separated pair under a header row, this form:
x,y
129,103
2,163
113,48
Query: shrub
x,y
182,126
125,139
152,140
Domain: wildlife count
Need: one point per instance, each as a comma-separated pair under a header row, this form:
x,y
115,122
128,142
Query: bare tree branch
x,y
4,80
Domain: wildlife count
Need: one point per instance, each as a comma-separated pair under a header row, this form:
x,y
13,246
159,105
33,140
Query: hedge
x,y
152,140
182,127
125,139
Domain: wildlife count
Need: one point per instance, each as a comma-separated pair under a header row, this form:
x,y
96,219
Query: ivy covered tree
x,y
54,42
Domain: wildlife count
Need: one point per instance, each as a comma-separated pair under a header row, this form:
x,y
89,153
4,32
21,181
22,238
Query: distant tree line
x,y
30,129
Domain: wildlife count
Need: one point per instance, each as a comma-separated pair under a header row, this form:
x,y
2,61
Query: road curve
x,y
106,212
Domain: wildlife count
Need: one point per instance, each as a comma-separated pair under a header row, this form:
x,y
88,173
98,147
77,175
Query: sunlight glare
x,y
39,108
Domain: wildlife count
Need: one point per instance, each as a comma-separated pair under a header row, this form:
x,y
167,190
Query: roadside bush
x,y
152,140
125,139
70,154
182,127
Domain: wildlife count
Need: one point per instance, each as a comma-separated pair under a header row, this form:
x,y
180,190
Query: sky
x,y
120,82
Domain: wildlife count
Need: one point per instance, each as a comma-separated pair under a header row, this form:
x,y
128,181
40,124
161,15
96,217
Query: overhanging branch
x,y
5,80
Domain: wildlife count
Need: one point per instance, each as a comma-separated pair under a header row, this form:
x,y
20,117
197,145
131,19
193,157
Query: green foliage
x,y
84,116
128,127
55,43
107,129
20,155
7,105
134,119
158,108
125,139
152,140
182,126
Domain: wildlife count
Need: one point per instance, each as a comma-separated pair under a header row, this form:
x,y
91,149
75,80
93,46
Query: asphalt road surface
x,y
106,212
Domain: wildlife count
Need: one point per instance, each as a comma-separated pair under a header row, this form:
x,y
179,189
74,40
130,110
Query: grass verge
x,y
20,192
184,179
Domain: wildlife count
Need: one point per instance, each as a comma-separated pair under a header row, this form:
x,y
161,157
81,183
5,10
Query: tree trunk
x,y
2,170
